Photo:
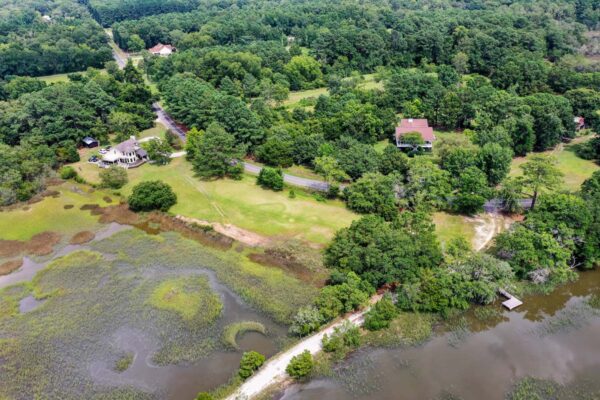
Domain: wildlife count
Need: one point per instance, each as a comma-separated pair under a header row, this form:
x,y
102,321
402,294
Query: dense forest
x,y
49,37
109,11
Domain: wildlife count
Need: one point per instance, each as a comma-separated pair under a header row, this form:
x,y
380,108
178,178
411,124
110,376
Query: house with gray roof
x,y
127,154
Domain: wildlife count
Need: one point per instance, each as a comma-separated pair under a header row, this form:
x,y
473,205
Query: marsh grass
x,y
267,289
406,329
189,297
124,362
148,286
232,331
571,317
459,331
530,388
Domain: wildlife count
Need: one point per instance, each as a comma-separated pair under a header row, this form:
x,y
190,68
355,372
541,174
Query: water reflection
x,y
553,337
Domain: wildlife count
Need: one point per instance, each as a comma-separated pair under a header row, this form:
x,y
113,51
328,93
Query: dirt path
x,y
273,372
235,232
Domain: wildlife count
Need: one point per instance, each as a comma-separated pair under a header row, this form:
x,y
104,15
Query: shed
x,y
90,142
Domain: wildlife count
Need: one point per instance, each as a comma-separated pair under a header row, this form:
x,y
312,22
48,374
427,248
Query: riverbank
x,y
552,338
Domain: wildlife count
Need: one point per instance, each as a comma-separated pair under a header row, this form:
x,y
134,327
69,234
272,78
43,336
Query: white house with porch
x,y
127,154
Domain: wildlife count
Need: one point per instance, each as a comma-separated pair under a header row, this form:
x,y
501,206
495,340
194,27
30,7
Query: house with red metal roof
x,y
163,50
413,125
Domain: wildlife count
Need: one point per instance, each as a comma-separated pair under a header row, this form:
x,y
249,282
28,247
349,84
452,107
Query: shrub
x,y
113,177
67,172
333,343
204,396
300,366
292,194
307,320
152,195
333,191
381,314
270,178
250,362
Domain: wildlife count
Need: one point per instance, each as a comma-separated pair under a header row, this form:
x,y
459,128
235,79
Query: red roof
x,y
159,47
415,125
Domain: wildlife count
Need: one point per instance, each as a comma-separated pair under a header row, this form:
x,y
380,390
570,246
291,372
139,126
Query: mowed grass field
x,y
241,203
50,214
575,169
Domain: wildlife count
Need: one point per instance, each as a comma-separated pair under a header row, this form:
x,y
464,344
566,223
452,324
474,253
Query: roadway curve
x,y
169,123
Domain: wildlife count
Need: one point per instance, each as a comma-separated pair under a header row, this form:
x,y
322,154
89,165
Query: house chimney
x,y
410,120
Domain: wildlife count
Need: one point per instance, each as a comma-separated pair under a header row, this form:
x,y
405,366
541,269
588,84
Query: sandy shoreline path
x,y
273,372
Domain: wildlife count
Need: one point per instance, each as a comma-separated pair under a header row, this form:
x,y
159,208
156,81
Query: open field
x,y
575,169
296,96
56,78
241,203
451,226
61,213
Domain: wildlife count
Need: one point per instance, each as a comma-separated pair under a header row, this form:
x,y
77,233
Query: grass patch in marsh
x,y
530,388
406,329
124,362
232,331
189,297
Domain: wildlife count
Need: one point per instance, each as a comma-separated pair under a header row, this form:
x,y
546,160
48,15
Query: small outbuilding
x,y
90,142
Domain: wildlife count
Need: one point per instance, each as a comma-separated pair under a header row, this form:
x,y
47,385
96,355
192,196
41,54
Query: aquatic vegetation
x,y
124,362
248,279
571,317
231,331
155,287
190,297
533,389
405,330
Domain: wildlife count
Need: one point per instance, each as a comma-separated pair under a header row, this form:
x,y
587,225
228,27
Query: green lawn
x,y
158,130
50,213
242,203
299,95
451,226
575,169
56,78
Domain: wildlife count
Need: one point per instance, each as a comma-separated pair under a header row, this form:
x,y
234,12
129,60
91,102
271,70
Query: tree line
x,y
68,41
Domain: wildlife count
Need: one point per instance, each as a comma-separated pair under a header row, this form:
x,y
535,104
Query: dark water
x,y
185,381
555,337
31,267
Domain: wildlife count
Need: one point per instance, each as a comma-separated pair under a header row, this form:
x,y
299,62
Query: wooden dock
x,y
512,301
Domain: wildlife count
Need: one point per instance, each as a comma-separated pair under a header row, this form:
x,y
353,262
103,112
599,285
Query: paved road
x,y
121,62
169,123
